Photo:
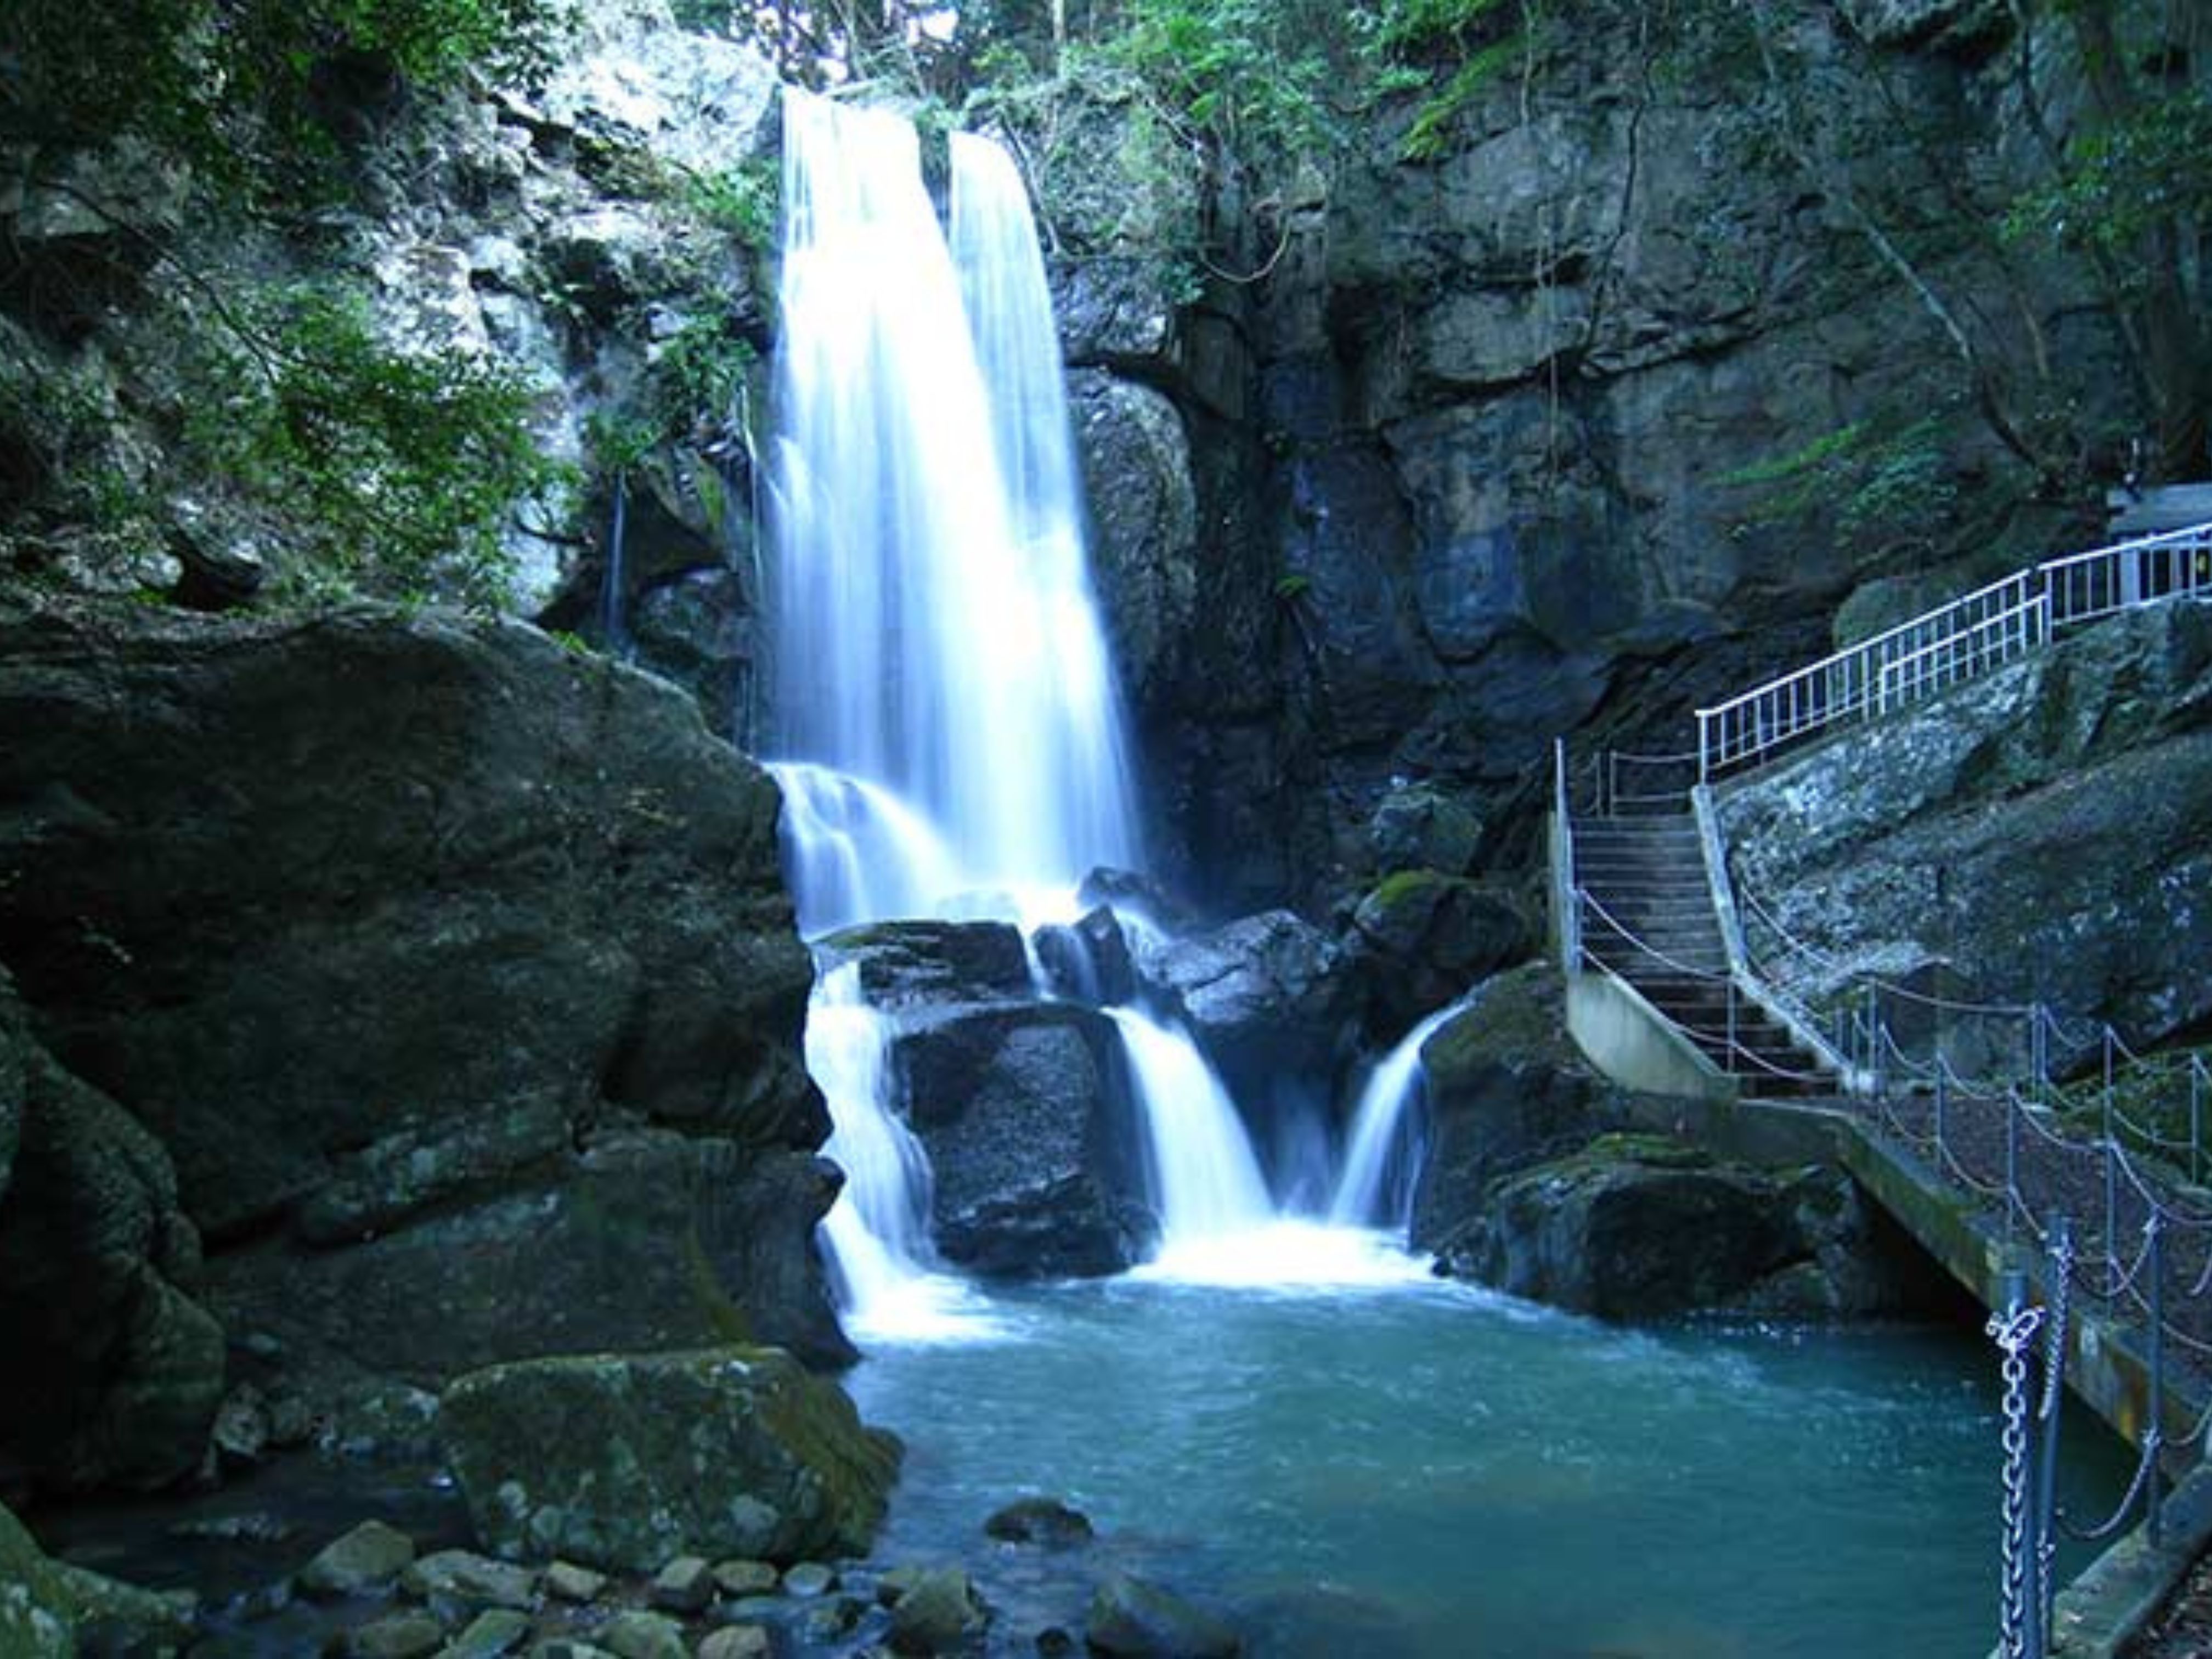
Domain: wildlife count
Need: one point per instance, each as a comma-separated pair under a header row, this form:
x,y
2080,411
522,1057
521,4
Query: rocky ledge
x,y
439,981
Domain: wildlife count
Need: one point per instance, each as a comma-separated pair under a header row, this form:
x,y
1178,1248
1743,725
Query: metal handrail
x,y
1854,682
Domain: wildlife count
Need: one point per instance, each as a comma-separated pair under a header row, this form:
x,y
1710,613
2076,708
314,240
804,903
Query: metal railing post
x,y
2195,1117
2012,1160
2154,1433
2057,1300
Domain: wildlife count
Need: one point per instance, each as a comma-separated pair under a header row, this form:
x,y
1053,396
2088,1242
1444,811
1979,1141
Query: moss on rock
x,y
624,1461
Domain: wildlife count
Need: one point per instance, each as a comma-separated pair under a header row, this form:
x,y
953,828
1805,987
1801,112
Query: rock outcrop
x,y
1545,1182
114,1371
2036,835
626,1464
454,971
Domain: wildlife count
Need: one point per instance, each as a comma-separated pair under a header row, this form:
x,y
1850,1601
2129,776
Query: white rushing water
x,y
1376,1186
944,701
1206,1183
935,635
877,1231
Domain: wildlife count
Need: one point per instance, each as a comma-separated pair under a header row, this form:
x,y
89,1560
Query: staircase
x,y
1647,917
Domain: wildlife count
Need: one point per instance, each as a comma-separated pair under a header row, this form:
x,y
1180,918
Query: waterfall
x,y
1380,1166
614,633
1206,1182
935,635
944,701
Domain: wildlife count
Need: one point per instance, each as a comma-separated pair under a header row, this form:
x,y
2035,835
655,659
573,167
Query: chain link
x,y
2014,1332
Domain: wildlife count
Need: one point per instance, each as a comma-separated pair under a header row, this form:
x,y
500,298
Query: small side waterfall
x,y
1207,1182
1380,1164
613,625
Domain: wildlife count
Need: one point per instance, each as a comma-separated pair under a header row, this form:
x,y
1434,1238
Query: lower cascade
x,y
1381,1163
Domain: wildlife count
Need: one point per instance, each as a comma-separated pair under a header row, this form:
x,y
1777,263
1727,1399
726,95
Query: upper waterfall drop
x,y
935,635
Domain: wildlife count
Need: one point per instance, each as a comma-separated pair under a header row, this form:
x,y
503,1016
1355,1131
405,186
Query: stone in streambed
x,y
623,1460
400,1636
1130,1619
744,1578
1045,1521
736,1642
684,1585
473,1580
637,1635
491,1633
372,1554
567,1582
809,1579
941,1613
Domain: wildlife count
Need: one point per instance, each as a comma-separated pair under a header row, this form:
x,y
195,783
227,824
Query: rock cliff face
x,y
2035,836
454,973
1595,411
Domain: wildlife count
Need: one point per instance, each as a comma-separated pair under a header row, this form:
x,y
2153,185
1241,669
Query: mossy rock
x,y
625,1461
44,1605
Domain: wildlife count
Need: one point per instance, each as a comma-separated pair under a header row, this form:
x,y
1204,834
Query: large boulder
x,y
626,1462
1419,938
1506,1088
50,1609
2035,836
1024,1110
1629,1227
115,1370
388,927
1264,995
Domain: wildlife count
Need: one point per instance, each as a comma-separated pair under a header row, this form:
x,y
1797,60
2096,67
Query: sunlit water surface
x,y
1411,1468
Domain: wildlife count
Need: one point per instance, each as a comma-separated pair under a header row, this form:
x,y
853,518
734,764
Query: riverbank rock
x,y
1130,1619
50,1609
1032,1144
623,1462
400,932
2035,836
1629,1227
115,1372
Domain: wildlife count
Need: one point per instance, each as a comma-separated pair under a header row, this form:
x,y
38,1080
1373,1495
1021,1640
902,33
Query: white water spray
x,y
1376,1186
1207,1183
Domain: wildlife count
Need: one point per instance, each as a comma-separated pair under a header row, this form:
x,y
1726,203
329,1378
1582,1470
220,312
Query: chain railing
x,y
1957,641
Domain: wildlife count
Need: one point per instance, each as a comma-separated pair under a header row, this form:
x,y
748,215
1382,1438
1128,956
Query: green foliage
x,y
1253,73
740,202
250,93
1886,482
397,468
700,374
2146,169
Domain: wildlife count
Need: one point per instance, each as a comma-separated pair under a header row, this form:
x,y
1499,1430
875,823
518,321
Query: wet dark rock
x,y
567,1582
1629,1227
736,1642
1024,1112
1505,1088
467,830
370,1555
1420,826
1088,961
619,1461
941,1613
1135,456
115,1371
1265,996
1130,1619
1419,938
904,963
396,1635
1044,1522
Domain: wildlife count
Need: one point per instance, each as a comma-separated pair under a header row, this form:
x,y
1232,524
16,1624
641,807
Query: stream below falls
x,y
1413,1467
